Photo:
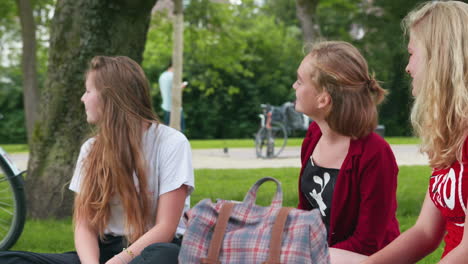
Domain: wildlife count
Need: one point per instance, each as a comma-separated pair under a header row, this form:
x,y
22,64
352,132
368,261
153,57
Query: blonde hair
x,y
440,112
341,70
116,154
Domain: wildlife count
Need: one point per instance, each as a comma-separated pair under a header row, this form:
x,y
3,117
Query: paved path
x,y
239,158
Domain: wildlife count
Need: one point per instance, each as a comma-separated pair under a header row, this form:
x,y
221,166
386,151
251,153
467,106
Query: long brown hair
x,y
440,112
116,153
342,72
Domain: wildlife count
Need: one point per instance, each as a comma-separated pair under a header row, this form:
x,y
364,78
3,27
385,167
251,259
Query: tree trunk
x,y
28,63
80,30
177,61
305,10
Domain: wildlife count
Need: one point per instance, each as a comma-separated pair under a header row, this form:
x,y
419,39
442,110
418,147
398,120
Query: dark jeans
x,y
159,253
167,119
156,253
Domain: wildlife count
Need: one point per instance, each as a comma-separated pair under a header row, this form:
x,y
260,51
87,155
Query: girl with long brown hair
x,y
132,179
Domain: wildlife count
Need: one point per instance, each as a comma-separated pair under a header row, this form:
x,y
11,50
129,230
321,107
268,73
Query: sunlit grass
x,y
291,142
15,148
57,235
46,236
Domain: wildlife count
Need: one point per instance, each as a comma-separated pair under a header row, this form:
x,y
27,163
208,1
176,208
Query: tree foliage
x,y
382,44
306,13
235,57
238,56
12,125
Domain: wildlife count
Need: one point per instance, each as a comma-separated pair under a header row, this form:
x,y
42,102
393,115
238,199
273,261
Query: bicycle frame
x,y
271,140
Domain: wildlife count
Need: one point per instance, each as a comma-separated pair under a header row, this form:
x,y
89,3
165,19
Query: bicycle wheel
x,y
270,146
12,203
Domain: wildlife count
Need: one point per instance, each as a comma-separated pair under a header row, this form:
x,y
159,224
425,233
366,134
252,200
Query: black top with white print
x,y
317,184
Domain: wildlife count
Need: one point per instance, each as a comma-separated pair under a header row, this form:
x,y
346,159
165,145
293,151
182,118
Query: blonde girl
x,y
438,65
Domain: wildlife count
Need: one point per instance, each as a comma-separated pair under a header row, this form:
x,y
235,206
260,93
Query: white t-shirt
x,y
169,157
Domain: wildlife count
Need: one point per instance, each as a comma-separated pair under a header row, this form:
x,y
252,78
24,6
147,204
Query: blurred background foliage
x,y
12,121
236,56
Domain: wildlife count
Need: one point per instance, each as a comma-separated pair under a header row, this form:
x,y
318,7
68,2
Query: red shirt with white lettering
x,y
448,189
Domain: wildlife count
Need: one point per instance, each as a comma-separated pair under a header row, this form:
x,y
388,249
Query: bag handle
x,y
251,195
218,234
274,255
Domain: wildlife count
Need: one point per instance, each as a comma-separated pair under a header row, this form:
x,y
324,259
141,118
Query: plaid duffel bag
x,y
244,233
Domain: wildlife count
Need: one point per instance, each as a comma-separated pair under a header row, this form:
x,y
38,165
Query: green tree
x,y
28,63
306,13
13,101
80,30
11,105
12,128
282,11
235,57
177,61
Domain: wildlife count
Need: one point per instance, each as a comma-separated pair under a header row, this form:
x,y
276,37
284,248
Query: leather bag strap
x,y
274,255
218,235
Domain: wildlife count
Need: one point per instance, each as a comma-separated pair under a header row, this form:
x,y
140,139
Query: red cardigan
x,y
364,203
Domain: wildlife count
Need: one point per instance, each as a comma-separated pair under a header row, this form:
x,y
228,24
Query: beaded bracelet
x,y
129,252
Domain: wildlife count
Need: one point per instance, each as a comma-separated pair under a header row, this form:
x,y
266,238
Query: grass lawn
x,y
249,143
57,236
15,148
229,143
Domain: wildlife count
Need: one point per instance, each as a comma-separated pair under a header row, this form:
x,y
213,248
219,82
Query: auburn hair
x,y
440,111
116,155
339,69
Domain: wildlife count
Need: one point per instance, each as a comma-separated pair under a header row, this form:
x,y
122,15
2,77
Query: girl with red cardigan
x,y
348,171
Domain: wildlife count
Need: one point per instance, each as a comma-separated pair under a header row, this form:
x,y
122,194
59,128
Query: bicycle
x,y
276,123
12,202
271,133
